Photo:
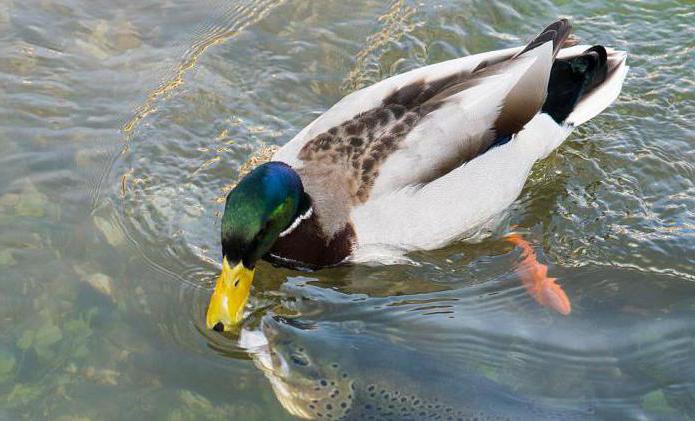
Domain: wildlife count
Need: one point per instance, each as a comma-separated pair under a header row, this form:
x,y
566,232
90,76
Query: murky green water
x,y
122,122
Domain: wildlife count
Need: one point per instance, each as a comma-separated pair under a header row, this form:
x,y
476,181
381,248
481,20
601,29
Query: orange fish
x,y
534,275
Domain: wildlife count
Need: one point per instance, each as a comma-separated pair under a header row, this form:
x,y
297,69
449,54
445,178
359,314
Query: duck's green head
x,y
264,203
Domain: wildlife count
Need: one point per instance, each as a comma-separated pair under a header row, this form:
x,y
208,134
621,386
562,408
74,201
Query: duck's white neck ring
x,y
295,224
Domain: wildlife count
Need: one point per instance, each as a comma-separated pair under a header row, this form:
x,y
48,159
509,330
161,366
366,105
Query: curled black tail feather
x,y
573,77
558,32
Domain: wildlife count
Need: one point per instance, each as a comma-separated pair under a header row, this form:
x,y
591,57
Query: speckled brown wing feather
x,y
359,146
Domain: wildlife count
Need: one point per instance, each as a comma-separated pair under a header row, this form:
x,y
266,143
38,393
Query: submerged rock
x,y
112,232
8,362
9,200
656,402
6,258
101,283
73,418
125,35
31,202
105,376
23,394
197,407
91,157
5,17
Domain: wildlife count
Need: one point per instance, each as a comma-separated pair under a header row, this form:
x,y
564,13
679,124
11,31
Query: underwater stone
x,y
31,203
112,233
9,200
7,365
103,376
72,418
22,394
101,283
4,17
46,336
91,157
126,36
23,62
6,258
656,401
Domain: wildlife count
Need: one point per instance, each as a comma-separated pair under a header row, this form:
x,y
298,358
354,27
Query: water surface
x,y
124,123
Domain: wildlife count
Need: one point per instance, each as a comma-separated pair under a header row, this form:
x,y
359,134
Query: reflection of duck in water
x,y
413,162
319,374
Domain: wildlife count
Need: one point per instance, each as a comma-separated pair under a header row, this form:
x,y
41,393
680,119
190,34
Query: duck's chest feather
x,y
309,247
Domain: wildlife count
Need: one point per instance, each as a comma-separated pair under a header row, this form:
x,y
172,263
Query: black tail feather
x,y
558,32
573,77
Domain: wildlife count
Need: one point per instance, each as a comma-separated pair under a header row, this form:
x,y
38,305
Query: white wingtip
x,y
604,95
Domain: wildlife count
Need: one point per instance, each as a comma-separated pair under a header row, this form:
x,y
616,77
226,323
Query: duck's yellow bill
x,y
227,303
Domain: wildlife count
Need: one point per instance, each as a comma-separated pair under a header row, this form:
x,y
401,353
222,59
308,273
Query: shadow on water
x,y
125,123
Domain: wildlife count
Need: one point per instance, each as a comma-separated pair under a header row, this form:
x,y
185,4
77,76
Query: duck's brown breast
x,y
309,247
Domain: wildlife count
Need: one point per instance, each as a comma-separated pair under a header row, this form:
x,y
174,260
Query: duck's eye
x,y
261,233
258,237
299,359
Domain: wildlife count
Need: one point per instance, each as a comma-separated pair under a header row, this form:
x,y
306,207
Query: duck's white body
x,y
432,216
447,176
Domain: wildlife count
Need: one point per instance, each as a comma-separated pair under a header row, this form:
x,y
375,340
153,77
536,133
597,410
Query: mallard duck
x,y
413,162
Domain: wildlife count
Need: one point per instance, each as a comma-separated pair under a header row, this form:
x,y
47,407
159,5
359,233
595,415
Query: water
x,y
123,124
